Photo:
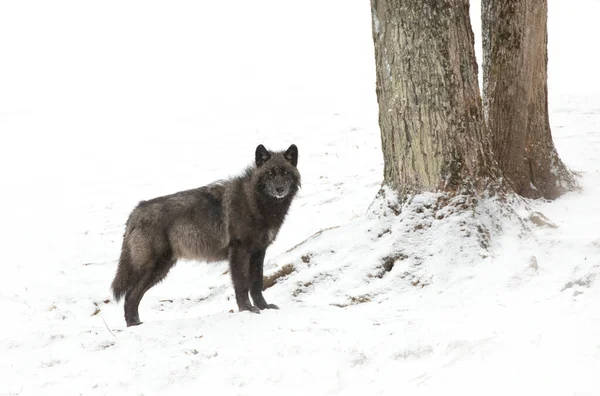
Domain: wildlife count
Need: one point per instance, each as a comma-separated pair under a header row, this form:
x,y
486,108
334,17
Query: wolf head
x,y
277,175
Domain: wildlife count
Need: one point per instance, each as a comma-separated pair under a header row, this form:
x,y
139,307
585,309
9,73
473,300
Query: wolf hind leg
x,y
256,281
146,282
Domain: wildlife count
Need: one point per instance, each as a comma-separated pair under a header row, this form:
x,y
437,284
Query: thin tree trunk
x,y
515,61
430,111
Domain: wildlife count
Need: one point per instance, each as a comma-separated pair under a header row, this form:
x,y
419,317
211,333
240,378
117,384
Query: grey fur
x,y
235,220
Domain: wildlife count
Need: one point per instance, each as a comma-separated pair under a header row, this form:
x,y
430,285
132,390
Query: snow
x,y
103,105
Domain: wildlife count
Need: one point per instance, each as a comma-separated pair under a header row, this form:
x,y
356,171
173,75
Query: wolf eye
x,y
285,172
271,173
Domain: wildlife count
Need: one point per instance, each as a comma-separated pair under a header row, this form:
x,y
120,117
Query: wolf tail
x,y
126,276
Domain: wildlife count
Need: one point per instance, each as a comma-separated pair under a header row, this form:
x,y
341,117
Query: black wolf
x,y
235,219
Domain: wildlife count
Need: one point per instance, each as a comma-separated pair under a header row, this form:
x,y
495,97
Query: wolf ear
x,y
261,155
291,154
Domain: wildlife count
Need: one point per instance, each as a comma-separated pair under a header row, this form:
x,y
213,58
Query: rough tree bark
x,y
515,61
430,112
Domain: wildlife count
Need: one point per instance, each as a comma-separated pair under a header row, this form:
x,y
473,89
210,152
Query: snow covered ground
x,y
105,104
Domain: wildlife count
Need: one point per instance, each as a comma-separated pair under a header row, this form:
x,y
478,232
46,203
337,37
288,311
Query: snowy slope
x,y
102,105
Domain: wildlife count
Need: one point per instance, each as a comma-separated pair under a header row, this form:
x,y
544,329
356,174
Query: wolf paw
x,y
267,306
250,308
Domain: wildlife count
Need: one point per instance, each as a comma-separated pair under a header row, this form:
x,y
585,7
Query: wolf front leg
x,y
239,263
256,280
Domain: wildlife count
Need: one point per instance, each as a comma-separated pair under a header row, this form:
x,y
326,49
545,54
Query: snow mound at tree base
x,y
431,241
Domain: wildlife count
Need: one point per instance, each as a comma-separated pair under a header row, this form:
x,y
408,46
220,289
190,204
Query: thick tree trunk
x,y
430,111
515,60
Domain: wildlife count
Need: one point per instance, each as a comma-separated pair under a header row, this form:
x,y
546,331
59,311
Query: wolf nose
x,y
279,190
